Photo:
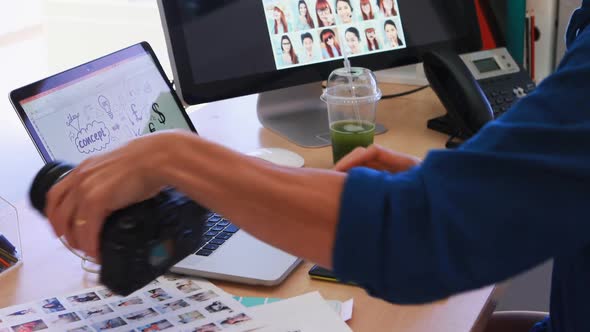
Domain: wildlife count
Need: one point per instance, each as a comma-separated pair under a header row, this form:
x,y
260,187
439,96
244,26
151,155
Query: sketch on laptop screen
x,y
104,110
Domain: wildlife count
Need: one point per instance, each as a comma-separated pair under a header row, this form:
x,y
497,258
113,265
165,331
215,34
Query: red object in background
x,y
487,37
532,46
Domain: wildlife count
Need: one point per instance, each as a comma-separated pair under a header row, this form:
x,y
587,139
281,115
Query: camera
x,y
140,242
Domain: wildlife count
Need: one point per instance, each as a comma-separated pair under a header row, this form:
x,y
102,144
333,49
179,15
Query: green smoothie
x,y
349,134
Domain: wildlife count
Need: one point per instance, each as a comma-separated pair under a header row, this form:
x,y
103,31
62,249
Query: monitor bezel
x,y
79,72
192,93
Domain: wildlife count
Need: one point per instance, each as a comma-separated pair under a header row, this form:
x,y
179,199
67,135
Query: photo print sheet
x,y
312,31
169,303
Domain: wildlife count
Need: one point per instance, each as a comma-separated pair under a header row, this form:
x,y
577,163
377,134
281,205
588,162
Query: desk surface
x,y
50,270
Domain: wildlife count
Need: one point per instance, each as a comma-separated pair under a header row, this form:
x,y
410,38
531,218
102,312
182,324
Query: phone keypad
x,y
503,91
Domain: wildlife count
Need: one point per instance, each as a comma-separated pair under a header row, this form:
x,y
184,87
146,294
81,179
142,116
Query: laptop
x,y
101,105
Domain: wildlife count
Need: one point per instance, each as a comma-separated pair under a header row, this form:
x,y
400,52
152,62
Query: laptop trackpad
x,y
244,259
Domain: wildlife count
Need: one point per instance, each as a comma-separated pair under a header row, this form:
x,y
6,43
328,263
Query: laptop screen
x,y
99,106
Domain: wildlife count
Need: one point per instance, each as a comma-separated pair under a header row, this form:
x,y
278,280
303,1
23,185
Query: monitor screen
x,y
99,106
301,37
228,48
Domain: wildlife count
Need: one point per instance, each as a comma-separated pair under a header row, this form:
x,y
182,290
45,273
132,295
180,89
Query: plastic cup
x,y
352,97
11,256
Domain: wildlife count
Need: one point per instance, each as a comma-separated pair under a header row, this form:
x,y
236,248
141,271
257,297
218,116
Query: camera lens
x,y
50,174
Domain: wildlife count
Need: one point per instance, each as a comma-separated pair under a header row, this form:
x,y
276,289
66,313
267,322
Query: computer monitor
x,y
283,49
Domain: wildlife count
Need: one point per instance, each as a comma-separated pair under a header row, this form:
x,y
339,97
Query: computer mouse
x,y
282,157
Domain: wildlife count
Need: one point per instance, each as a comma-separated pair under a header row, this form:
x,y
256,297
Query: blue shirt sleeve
x,y
510,198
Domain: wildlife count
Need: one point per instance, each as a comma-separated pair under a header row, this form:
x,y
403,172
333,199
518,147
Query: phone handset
x,y
467,106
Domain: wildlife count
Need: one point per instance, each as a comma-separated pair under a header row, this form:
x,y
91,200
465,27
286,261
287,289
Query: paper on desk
x,y
344,309
176,304
305,313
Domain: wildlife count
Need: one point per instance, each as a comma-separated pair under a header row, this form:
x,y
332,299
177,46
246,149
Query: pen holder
x,y
10,243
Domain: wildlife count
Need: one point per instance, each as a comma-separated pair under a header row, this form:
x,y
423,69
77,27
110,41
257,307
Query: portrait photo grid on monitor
x,y
304,32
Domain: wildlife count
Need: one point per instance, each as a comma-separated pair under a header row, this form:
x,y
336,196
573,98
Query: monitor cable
x,y
405,93
454,141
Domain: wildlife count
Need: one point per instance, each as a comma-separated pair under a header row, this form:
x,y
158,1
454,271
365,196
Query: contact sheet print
x,y
169,303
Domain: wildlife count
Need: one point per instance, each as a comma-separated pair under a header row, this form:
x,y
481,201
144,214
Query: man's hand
x,y
376,157
78,205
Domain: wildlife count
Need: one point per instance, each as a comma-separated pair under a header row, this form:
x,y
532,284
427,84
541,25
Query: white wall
x,y
98,27
16,15
23,59
566,8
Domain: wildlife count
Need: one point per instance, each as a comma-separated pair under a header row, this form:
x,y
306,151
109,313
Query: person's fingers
x,y
101,193
79,203
85,226
58,192
94,207
376,165
377,157
392,161
82,235
62,216
54,200
353,159
70,233
88,232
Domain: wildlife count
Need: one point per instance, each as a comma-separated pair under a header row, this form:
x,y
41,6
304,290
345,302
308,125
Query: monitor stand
x,y
298,114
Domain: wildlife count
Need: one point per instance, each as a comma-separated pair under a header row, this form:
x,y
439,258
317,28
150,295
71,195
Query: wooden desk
x,y
49,269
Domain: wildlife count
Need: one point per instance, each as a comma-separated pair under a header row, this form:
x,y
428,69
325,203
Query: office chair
x,y
514,321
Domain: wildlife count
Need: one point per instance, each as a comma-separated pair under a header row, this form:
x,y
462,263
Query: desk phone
x,y
474,88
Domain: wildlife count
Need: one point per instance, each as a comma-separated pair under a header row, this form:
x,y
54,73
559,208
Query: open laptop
x,y
103,104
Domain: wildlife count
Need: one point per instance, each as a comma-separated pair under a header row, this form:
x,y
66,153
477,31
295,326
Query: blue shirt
x,y
512,197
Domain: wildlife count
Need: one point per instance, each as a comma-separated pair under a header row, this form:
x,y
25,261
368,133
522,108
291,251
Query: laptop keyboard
x,y
217,230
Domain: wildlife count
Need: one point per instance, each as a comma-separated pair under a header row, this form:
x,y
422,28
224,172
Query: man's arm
x,y
289,208
293,209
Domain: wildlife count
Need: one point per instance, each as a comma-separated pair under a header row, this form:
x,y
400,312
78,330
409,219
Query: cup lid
x,y
355,86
